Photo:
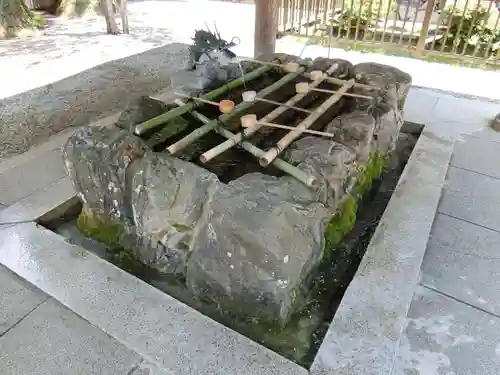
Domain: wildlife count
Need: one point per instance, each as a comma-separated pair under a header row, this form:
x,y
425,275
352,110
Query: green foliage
x,y
78,8
363,12
470,28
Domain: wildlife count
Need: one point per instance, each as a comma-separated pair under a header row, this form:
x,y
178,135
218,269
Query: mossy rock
x,y
99,228
344,220
113,236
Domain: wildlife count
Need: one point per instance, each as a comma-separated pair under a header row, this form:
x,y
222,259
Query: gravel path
x,y
72,73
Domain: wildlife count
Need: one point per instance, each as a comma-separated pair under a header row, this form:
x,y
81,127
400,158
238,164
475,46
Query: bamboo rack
x,y
224,146
163,118
294,134
282,165
201,131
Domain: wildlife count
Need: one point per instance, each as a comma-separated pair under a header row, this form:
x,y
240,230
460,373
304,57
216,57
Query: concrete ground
x,y
69,324
453,322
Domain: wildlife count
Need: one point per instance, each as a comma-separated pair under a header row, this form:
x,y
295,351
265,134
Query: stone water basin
x,y
251,247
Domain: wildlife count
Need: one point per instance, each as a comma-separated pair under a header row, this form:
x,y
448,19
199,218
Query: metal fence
x,y
459,28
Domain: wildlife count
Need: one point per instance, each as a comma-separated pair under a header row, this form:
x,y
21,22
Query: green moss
x,y
181,228
341,224
368,173
173,127
99,228
343,221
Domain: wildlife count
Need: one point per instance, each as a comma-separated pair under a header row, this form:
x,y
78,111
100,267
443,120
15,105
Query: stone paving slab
x,y
444,336
472,197
458,109
17,299
53,143
419,104
158,327
463,261
38,204
478,155
53,340
21,181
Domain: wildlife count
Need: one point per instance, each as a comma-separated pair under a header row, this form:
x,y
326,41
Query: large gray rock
x,y
354,130
382,76
258,246
389,120
345,69
167,199
331,163
140,110
97,159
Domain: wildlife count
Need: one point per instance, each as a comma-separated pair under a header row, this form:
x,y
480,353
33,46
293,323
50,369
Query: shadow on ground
x,y
63,39
30,118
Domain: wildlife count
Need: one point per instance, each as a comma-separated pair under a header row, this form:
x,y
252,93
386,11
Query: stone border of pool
x,y
364,334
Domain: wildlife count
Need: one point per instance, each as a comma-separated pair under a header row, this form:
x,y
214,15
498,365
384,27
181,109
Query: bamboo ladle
x,y
250,120
225,106
251,96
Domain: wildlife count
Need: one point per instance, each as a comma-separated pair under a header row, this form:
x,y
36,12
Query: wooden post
x,y
429,10
266,25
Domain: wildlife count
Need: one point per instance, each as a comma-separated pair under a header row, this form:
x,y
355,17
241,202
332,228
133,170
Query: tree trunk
x,y
266,25
109,16
14,15
124,15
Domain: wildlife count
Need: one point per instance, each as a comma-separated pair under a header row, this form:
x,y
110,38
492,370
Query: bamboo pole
x,y
251,96
201,131
161,119
225,106
282,165
359,96
289,67
294,134
251,120
224,146
303,87
339,81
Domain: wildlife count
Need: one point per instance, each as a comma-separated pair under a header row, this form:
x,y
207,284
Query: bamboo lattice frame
x,y
242,138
